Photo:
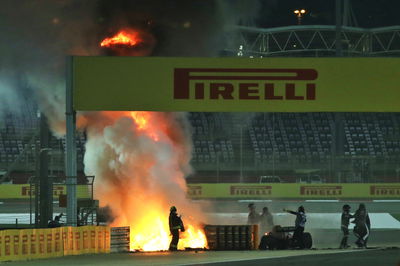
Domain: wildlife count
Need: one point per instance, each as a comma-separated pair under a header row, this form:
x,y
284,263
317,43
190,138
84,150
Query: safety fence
x,y
295,191
53,242
232,237
120,239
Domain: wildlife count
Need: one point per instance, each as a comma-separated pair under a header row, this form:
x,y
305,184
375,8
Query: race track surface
x,y
326,257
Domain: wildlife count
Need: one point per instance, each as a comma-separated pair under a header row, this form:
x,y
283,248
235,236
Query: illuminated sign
x,y
385,190
251,190
194,191
252,84
321,190
235,84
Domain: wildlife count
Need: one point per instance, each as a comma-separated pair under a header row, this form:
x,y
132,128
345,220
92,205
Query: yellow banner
x,y
55,242
11,191
295,191
236,84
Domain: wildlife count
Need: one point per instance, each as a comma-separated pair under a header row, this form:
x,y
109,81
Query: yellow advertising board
x,y
53,242
295,191
23,191
236,84
250,190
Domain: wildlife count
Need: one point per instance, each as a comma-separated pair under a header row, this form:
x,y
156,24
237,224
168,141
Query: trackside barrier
x,y
53,242
295,191
231,237
120,239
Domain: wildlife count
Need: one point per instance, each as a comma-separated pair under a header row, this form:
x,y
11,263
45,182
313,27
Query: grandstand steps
x,y
240,137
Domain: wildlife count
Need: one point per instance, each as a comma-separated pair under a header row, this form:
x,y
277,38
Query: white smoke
x,y
140,172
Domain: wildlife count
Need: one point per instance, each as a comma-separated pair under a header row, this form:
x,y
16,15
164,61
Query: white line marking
x,y
321,200
255,200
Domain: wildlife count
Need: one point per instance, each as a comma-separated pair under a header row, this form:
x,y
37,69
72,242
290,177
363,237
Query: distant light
x,y
300,12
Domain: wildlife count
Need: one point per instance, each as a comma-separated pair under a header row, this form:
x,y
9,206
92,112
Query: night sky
x,y
368,13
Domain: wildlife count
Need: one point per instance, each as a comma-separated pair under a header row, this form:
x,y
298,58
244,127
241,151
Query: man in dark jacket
x,y
362,225
300,223
175,224
345,220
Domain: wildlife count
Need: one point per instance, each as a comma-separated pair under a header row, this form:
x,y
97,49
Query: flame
x,y
142,122
137,162
123,37
152,234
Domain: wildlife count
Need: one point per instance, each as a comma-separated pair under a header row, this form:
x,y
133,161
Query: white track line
x,y
321,200
254,200
386,200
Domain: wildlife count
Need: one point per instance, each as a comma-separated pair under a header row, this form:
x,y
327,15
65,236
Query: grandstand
x,y
233,147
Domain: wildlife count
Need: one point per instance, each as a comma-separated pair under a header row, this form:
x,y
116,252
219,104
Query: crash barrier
x,y
246,190
53,242
232,237
25,191
295,191
120,239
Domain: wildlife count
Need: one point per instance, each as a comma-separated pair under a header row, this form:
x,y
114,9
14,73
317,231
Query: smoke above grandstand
x,y
37,36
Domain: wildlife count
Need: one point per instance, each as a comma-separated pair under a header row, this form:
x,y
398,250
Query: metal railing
x,y
312,40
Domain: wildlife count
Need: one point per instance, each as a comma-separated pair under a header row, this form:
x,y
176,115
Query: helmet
x,y
346,207
301,209
172,209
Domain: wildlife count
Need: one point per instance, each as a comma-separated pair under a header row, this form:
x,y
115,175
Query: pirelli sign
x,y
236,84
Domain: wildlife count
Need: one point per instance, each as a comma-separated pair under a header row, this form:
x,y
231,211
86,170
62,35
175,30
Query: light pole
x,y
299,14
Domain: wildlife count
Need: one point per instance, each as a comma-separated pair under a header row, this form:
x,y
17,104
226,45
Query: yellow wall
x,y
250,190
11,191
53,242
295,191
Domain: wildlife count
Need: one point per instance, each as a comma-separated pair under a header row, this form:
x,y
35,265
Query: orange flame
x,y
142,122
128,38
138,198
152,234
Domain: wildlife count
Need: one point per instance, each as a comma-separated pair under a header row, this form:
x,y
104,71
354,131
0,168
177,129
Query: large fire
x,y
139,159
124,37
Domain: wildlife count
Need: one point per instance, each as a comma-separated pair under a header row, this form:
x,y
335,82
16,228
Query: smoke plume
x,y
140,160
